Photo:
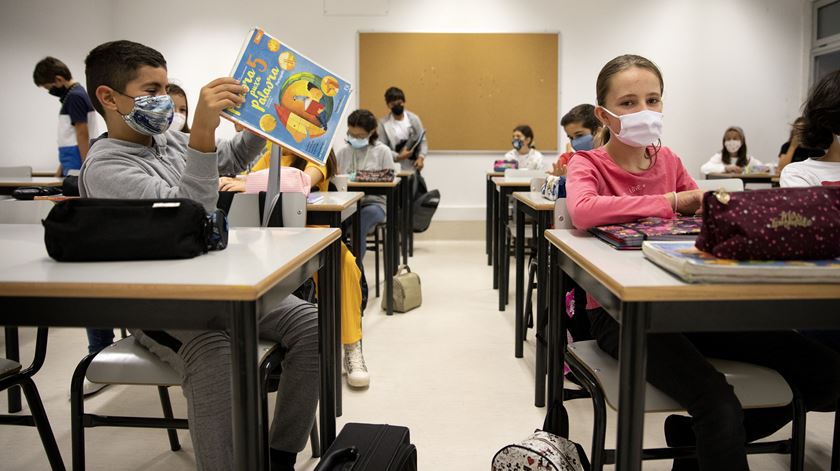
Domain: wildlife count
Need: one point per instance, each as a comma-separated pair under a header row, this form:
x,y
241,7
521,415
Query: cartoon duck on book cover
x,y
291,100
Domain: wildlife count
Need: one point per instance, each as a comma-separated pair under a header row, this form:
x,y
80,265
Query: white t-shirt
x,y
402,129
811,172
716,165
533,160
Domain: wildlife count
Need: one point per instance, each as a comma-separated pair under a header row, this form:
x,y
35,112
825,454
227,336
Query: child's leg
x,y
675,366
371,215
351,298
99,339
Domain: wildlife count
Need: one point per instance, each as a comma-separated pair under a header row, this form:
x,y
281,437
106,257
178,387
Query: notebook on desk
x,y
688,263
629,236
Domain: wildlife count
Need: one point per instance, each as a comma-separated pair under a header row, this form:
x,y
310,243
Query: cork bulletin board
x,y
469,89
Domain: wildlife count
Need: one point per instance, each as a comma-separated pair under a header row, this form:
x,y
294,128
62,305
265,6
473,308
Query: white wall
x,y
725,62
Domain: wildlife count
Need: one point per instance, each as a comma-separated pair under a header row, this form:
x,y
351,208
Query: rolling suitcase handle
x,y
337,458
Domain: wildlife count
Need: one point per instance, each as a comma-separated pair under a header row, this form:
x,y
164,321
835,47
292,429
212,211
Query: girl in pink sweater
x,y
630,177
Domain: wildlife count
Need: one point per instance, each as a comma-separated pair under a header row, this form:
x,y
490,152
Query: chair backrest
x,y
728,184
561,215
523,174
16,172
24,212
245,210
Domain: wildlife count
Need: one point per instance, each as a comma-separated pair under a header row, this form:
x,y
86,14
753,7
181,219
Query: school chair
x,y
244,209
12,374
127,362
755,386
728,184
22,171
523,174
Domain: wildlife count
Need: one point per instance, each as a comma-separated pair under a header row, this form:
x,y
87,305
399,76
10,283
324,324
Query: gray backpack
x,y
541,451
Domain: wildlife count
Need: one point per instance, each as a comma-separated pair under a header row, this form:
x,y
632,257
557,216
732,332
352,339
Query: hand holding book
x,y
214,97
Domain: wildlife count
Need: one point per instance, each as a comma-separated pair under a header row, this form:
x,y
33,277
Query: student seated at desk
x,y
351,275
633,176
138,158
364,151
524,152
819,128
581,128
182,110
793,151
733,156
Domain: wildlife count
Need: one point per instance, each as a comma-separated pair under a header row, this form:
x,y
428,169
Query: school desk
x,y
490,216
534,205
407,214
504,188
43,173
228,289
9,184
334,208
389,190
746,177
644,299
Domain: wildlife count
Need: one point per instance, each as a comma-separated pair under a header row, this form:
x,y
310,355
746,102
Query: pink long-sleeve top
x,y
599,192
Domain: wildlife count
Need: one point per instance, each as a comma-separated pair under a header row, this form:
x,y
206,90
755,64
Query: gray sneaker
x,y
354,365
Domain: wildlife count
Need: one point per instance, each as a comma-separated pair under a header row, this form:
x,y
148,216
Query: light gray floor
x,y
445,370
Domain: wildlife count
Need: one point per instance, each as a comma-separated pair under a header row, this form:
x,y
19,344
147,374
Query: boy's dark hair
x,y
821,114
46,70
115,63
366,120
393,94
583,114
526,131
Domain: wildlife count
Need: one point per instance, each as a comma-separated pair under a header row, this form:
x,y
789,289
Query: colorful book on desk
x,y
691,265
630,236
291,100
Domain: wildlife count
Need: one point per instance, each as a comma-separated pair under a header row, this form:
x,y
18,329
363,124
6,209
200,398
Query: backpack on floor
x,y
424,209
543,451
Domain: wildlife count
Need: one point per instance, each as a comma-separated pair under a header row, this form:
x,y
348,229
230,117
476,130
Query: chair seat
x,y
8,367
126,361
529,230
755,386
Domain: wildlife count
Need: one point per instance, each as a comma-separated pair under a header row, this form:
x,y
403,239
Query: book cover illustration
x,y
631,235
291,100
692,264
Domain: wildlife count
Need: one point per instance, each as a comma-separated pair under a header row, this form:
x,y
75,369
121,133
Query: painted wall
x,y
725,62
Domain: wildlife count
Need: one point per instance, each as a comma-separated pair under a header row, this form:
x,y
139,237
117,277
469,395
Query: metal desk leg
x,y
247,419
557,420
501,226
541,317
631,399
326,344
406,222
411,219
391,253
13,353
495,241
358,237
335,248
519,330
488,220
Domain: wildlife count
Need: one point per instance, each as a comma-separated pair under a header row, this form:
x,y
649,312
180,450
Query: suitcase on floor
x,y
370,447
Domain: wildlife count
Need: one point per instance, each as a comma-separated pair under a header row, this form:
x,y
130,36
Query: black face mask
x,y
397,110
59,92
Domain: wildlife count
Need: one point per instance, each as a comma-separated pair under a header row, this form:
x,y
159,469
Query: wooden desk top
x,y
534,200
742,176
405,173
632,277
493,173
335,201
32,181
391,184
255,261
518,182
43,173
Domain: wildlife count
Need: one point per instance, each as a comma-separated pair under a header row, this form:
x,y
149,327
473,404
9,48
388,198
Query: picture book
x,y
630,236
692,265
291,100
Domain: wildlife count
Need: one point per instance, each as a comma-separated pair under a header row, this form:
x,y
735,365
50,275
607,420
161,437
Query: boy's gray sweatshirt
x,y
168,169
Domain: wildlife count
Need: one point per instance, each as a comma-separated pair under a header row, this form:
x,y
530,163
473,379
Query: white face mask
x,y
639,129
732,145
178,122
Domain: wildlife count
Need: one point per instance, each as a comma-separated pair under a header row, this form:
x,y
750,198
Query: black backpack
x,y
425,204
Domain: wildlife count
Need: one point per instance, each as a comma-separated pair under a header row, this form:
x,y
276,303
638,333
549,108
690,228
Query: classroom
x,y
299,235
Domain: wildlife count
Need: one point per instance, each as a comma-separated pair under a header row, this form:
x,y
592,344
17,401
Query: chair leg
x,y
835,447
166,404
39,415
797,437
529,307
376,257
77,413
314,441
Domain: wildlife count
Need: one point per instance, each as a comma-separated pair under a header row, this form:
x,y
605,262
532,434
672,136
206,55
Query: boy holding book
x,y
137,158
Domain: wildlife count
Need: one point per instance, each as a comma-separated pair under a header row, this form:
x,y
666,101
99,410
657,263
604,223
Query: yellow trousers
x,y
351,298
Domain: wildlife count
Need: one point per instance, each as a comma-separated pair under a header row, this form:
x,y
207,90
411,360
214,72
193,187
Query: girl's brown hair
x,y
172,89
821,114
300,163
612,68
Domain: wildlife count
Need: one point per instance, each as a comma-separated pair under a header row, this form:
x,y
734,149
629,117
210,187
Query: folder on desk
x,y
629,236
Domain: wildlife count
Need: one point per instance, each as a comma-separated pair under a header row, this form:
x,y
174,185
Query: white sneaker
x,y
89,388
354,365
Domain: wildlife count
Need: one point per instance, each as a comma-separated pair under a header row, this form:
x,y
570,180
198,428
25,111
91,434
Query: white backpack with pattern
x,y
542,451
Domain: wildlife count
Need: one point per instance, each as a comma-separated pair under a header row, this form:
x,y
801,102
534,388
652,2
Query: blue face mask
x,y
358,142
583,143
151,115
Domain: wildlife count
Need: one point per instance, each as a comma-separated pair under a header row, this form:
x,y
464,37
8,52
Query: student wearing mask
x,y
182,111
524,152
400,130
581,128
633,176
733,156
364,151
